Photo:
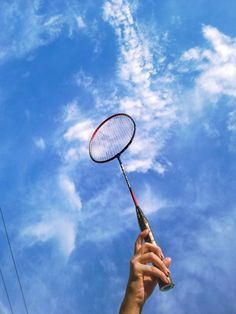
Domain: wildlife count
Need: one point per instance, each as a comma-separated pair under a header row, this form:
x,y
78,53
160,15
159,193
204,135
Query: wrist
x,y
132,303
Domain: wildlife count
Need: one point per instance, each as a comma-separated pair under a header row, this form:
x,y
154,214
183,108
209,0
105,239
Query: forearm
x,y
128,307
132,303
143,275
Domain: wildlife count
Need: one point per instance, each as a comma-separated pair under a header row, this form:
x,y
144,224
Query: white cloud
x,y
216,65
77,137
80,22
106,213
68,187
25,28
231,125
80,131
72,154
151,106
151,200
136,64
57,213
53,227
40,143
54,24
71,112
84,80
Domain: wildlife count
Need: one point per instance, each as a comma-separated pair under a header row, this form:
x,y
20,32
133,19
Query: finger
x,y
151,257
167,261
149,247
154,272
138,242
153,281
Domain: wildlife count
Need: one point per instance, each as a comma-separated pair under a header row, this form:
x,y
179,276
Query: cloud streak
x,y
216,65
57,217
28,29
153,108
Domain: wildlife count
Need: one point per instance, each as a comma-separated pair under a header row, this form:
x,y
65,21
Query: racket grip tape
x,y
144,224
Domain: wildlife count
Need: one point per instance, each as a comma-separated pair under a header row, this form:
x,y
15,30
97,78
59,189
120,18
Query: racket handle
x,y
144,224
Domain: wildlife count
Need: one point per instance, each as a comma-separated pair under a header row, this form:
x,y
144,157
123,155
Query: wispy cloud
x,y
80,22
54,226
78,130
25,28
215,64
69,188
151,106
151,200
40,143
57,216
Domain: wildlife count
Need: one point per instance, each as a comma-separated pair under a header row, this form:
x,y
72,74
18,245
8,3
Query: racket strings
x,y
112,137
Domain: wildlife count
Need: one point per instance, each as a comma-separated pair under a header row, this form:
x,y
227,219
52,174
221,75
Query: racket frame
x,y
98,128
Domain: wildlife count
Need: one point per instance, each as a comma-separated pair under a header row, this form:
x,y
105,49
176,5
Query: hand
x,y
143,276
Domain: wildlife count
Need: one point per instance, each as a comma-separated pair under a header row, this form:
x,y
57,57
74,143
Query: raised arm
x,y
144,276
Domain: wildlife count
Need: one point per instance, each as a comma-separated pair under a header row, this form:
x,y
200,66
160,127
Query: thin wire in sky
x,y
7,294
14,263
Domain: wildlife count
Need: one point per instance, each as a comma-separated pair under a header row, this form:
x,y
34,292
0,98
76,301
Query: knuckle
x,y
152,255
133,262
134,266
153,269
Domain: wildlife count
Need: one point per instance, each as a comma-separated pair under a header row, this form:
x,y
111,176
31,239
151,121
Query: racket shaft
x,y
144,224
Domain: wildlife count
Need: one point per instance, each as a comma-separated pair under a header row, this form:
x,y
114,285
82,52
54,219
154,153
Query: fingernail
x,y
167,272
167,280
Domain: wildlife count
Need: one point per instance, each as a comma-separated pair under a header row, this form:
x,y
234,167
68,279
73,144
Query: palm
x,y
149,284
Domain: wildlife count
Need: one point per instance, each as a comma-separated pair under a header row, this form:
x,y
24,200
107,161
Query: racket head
x,y
112,137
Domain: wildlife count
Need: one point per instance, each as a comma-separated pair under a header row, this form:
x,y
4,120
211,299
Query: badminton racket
x,y
109,140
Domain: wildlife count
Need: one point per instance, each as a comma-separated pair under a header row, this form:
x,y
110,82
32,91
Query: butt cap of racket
x,y
166,286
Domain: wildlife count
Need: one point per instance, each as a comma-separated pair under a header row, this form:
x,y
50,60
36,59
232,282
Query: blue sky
x,y
67,65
